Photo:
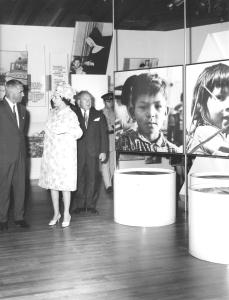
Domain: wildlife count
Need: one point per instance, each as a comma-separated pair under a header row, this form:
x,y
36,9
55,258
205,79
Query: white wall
x,y
203,43
41,43
140,44
210,42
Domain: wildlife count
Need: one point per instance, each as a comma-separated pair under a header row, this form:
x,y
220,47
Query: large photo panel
x,y
91,48
149,110
207,108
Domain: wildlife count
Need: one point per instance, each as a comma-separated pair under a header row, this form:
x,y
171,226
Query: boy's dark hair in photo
x,y
143,84
147,84
127,90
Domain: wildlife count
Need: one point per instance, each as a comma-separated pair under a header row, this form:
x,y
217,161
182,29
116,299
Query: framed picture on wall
x,y
207,108
137,63
13,65
149,110
91,48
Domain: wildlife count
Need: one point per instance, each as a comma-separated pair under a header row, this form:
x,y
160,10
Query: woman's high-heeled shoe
x,y
54,221
66,223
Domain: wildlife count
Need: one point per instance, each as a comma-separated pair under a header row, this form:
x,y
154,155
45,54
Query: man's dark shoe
x,y
3,226
21,223
93,211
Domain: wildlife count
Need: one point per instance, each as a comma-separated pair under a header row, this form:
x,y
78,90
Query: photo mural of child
x,y
148,108
209,128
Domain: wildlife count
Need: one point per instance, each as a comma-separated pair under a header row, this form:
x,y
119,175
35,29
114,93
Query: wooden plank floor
x,y
96,259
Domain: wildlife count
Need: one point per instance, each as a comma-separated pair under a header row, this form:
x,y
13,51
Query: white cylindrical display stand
x,y
144,197
208,217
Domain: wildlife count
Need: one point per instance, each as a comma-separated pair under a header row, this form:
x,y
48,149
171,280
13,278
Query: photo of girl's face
x,y
218,107
149,113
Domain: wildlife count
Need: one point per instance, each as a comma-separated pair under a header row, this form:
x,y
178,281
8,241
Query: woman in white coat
x,y
59,160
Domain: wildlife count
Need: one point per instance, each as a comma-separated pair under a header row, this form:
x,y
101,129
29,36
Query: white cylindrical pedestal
x,y
144,197
208,217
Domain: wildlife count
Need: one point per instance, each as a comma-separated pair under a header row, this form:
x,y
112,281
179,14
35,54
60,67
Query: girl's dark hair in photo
x,y
211,77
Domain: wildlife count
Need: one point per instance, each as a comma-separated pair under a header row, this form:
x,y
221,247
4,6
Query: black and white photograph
x,y
114,151
152,101
137,63
13,65
91,48
207,108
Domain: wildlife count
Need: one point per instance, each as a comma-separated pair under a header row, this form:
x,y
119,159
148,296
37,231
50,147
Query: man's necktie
x,y
14,113
85,118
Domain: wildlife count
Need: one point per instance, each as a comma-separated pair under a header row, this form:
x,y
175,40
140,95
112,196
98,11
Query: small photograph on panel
x,y
91,48
140,63
149,110
207,108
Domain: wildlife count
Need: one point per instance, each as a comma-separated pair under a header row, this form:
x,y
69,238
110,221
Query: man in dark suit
x,y
12,154
92,147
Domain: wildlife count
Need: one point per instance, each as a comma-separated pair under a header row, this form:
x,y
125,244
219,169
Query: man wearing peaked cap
x,y
108,166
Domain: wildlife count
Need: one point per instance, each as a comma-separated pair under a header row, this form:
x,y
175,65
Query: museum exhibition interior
x,y
161,231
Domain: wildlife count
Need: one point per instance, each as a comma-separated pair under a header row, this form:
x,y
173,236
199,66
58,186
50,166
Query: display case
x,y
141,199
208,216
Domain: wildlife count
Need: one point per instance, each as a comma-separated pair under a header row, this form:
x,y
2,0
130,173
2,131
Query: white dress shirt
x,y
11,104
87,114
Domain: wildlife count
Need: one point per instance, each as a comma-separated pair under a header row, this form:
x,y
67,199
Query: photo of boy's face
x,y
149,113
148,95
218,107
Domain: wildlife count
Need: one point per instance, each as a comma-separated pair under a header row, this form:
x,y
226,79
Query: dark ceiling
x,y
129,14
168,14
63,13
